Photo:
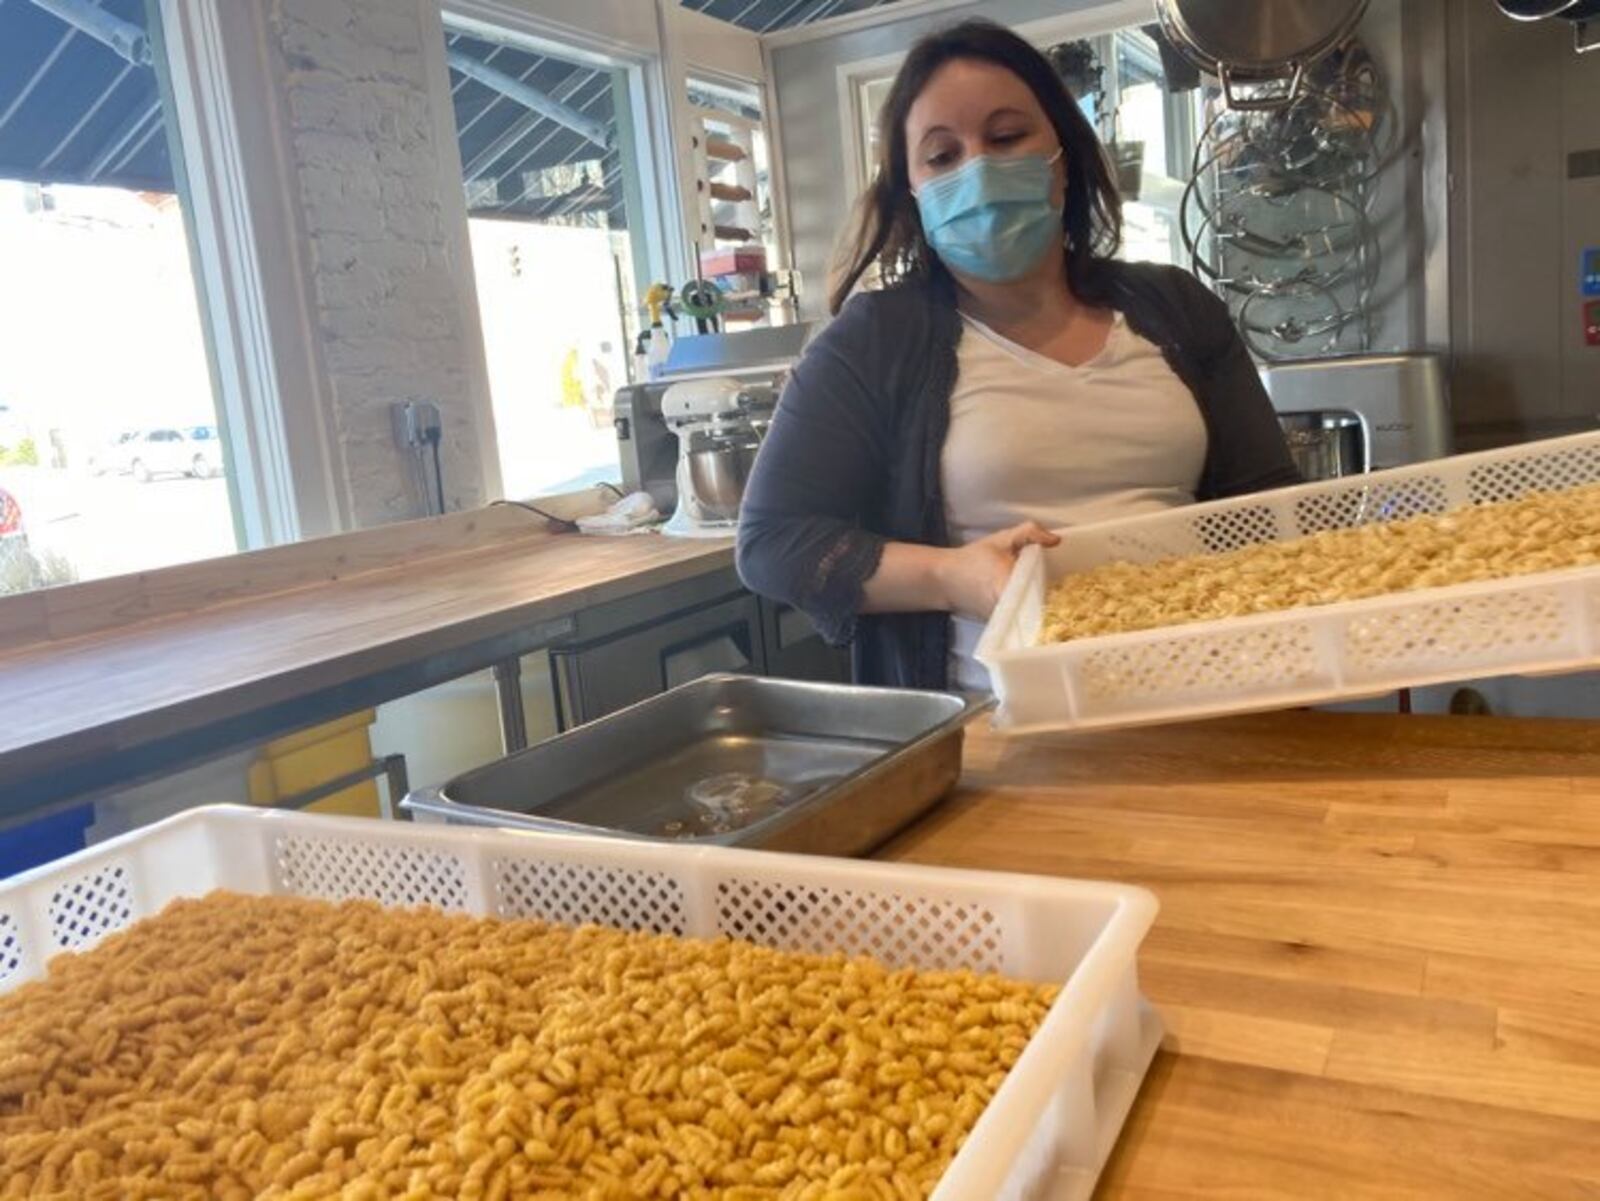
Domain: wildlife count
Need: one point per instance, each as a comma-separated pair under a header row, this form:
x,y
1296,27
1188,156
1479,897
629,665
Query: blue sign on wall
x,y
1589,272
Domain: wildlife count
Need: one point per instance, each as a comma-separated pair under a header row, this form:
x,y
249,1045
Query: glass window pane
x,y
101,335
547,166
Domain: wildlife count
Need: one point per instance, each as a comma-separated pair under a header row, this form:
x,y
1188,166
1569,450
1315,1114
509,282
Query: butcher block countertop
x,y
146,671
1378,952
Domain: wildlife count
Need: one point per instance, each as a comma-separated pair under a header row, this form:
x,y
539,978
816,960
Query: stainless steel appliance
x,y
1400,399
757,359
816,768
719,423
1326,443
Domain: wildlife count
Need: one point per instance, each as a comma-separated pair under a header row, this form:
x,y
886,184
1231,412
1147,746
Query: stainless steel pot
x,y
719,466
1326,443
1257,41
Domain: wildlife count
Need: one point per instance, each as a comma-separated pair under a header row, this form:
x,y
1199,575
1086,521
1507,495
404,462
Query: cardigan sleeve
x,y
824,458
1249,452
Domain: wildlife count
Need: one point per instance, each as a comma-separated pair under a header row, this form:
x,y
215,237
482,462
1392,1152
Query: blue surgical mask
x,y
992,218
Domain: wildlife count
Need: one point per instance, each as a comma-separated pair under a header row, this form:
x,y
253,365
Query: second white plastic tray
x,y
1529,625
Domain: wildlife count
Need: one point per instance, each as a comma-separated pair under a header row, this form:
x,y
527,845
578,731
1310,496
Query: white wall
x,y
718,47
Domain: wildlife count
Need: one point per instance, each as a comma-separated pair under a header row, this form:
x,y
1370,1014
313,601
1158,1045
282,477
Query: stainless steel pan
x,y
730,760
1257,41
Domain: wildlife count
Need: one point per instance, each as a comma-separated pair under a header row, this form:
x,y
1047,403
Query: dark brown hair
x,y
886,228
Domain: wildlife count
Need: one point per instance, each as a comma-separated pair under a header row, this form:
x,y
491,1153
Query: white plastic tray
x,y
1044,1137
1529,625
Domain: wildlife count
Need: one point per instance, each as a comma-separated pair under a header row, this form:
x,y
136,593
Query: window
x,y
101,335
553,206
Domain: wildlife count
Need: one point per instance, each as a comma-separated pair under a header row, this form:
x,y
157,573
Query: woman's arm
x,y
1249,452
821,463
965,580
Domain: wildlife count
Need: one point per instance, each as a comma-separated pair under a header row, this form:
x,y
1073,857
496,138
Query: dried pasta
x,y
1541,532
236,1047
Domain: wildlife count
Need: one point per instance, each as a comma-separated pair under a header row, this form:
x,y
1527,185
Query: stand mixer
x,y
720,423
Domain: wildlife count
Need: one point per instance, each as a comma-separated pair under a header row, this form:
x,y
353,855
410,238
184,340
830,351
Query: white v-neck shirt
x,y
1032,439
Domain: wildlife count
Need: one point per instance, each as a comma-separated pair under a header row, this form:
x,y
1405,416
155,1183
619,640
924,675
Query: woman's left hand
x,y
973,576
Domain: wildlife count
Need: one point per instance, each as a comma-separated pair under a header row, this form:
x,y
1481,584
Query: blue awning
x,y
519,162
73,110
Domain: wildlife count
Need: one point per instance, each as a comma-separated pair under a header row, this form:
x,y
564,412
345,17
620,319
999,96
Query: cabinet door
x,y
611,675
795,651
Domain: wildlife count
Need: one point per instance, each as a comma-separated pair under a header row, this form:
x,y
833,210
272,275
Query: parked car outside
x,y
170,451
205,451
157,452
112,458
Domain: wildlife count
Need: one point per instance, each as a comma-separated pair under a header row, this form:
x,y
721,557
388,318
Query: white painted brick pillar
x,y
376,176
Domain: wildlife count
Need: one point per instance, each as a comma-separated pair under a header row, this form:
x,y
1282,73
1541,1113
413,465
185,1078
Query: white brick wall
x,y
383,247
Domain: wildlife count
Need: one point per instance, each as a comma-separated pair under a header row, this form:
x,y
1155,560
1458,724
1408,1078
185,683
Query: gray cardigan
x,y
852,460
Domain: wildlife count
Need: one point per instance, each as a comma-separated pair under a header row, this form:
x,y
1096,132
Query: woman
x,y
1011,377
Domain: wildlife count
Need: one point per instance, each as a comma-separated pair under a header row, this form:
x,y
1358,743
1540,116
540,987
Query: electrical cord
x,y
432,438
560,523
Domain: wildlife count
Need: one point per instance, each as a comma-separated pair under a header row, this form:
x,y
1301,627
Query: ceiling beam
x,y
513,88
529,153
524,125
123,37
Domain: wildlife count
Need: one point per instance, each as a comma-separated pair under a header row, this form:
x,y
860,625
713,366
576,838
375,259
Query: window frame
x,y
273,415
648,99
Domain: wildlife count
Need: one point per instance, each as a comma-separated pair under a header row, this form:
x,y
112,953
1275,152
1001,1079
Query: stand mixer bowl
x,y
719,423
719,466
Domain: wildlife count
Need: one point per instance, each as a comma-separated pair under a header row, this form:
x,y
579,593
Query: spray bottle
x,y
657,343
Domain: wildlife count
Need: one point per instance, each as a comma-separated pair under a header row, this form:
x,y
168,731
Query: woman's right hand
x,y
973,576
